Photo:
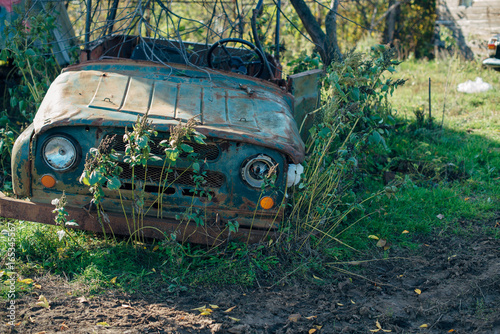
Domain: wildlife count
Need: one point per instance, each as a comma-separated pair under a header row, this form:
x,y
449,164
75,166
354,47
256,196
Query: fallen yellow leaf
x,y
26,281
205,312
418,291
311,317
340,304
374,237
155,248
113,280
38,286
102,323
451,330
213,306
352,302
379,328
82,299
381,243
43,302
318,327
316,277
405,231
466,198
234,319
230,309
312,330
424,326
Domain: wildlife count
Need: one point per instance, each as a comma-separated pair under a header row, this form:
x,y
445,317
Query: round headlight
x,y
59,153
256,169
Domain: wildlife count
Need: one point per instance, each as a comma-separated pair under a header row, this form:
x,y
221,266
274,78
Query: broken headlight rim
x,y
256,169
60,152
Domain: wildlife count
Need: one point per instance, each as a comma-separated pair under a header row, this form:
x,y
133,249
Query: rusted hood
x,y
229,106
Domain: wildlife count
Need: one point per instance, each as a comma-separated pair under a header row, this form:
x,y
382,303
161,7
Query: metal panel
x,y
110,92
138,95
227,106
152,228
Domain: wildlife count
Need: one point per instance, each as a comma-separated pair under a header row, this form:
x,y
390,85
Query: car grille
x,y
208,151
186,177
156,175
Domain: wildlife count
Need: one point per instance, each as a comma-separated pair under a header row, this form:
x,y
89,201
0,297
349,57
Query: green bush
x,y
356,117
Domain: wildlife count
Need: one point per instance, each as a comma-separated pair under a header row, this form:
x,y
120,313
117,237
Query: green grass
x,y
448,182
97,264
453,171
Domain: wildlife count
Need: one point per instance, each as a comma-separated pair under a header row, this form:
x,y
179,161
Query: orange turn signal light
x,y
266,203
48,181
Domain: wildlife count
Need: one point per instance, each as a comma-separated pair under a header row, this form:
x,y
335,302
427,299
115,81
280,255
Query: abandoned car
x,y
238,101
248,122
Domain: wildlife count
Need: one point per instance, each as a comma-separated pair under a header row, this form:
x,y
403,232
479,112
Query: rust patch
x,y
225,145
212,236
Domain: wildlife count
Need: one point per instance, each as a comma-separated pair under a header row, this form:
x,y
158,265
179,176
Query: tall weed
x,y
102,170
356,119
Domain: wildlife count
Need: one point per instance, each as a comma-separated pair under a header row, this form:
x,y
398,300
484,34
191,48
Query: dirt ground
x,y
448,285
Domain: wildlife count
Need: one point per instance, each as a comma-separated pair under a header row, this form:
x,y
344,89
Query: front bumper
x,y
208,234
492,62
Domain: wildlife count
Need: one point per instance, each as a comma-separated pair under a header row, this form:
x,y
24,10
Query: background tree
x,y
407,25
326,41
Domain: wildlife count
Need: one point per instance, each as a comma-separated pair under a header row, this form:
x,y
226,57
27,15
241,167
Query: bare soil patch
x,y
458,282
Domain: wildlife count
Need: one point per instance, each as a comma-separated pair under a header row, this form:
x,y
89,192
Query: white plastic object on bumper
x,y
293,176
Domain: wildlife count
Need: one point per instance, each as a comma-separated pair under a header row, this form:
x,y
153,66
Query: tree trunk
x,y
312,26
325,41
331,43
391,21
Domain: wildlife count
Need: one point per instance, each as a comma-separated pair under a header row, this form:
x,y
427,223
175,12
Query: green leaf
x,y
325,132
114,183
153,157
186,148
30,52
71,223
339,89
95,177
142,142
164,143
172,153
84,179
196,167
375,138
199,138
355,94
